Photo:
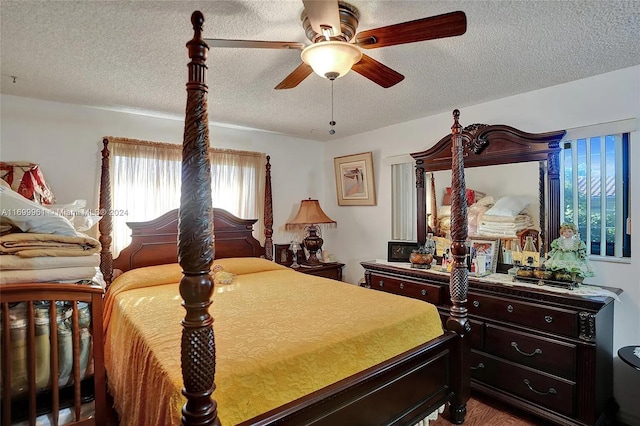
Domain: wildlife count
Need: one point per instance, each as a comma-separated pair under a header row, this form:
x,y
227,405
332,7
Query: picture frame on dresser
x,y
399,251
490,248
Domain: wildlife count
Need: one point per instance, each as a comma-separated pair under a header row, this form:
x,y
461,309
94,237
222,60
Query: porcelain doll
x,y
568,253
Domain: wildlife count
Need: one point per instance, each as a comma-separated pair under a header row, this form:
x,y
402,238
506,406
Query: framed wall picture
x,y
399,251
487,248
355,183
284,256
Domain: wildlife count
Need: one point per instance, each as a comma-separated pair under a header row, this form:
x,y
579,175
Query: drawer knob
x,y
538,351
476,303
401,286
481,365
509,308
548,319
381,283
423,292
551,391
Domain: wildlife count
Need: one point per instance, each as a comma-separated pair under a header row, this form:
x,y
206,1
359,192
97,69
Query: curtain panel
x,y
146,179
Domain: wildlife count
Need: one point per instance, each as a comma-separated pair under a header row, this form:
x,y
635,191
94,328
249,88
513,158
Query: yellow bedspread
x,y
279,335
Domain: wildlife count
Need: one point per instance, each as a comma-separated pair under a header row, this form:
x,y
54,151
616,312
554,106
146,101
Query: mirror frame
x,y
491,145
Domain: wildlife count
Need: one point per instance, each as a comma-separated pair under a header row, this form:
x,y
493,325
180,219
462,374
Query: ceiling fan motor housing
x,y
349,18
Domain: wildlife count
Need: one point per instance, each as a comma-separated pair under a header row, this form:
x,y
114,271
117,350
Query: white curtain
x,y
146,180
403,193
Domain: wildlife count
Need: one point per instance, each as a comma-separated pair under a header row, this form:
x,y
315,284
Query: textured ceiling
x,y
131,55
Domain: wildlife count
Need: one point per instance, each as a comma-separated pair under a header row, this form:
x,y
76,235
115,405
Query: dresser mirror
x,y
532,167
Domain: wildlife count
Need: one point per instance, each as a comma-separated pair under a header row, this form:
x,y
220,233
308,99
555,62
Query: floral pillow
x,y
27,180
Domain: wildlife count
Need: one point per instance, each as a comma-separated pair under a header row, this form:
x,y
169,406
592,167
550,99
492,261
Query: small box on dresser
x,y
546,353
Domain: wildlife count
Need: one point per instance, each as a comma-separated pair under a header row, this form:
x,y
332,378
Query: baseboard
x,y
627,418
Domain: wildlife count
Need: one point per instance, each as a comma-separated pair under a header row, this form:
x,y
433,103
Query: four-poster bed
x,y
424,372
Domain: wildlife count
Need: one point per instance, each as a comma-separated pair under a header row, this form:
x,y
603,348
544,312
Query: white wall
x,y
66,141
363,232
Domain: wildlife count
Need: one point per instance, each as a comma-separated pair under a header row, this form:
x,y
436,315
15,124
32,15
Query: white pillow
x,y
81,218
508,206
444,211
487,200
29,216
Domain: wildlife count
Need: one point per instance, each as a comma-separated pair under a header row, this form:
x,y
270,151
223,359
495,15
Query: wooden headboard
x,y
156,242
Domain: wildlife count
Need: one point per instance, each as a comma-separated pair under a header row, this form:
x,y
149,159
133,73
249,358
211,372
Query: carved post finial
x,y
197,19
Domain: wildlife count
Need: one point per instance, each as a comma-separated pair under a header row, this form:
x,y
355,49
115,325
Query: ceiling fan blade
x,y
441,26
377,72
255,44
323,13
292,80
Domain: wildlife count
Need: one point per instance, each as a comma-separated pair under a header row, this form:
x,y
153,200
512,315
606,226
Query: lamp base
x,y
313,243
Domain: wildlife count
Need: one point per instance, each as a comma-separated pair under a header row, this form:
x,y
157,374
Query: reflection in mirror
x,y
493,182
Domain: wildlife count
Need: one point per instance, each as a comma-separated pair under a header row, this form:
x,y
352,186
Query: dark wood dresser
x,y
546,353
331,270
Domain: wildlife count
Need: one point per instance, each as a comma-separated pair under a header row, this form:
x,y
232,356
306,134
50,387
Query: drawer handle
x,y
548,319
551,391
401,286
381,283
538,351
476,303
423,292
509,308
481,365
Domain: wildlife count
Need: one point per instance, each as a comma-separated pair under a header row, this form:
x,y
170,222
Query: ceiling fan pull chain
x,y
332,122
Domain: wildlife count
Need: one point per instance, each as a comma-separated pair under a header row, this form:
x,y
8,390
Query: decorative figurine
x,y
568,255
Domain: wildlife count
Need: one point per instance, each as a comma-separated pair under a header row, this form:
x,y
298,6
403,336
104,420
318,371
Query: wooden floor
x,y
482,411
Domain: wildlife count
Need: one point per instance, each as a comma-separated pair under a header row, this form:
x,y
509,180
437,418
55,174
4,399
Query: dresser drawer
x,y
427,292
545,318
543,354
542,389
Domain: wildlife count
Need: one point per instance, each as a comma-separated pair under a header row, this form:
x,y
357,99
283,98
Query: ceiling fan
x,y
336,48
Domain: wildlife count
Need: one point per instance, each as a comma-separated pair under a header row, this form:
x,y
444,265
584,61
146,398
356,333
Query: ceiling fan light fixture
x,y
331,59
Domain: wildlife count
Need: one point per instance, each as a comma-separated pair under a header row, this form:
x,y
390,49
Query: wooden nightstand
x,y
328,270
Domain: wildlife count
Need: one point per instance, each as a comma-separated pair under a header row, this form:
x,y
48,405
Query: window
x,y
403,193
595,191
146,180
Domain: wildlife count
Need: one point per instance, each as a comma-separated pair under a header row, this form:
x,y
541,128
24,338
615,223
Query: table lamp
x,y
310,217
295,247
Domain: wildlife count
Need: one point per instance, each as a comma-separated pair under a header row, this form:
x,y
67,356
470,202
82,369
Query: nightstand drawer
x,y
327,270
543,354
542,389
426,292
553,320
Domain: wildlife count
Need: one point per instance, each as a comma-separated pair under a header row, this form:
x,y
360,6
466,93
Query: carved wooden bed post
x,y
195,244
458,280
105,226
268,213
